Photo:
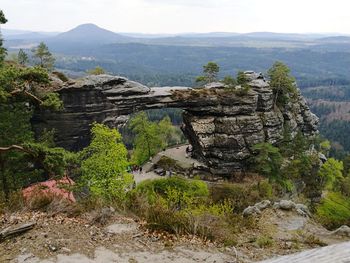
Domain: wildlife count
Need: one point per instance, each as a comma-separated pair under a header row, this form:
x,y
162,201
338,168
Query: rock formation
x,y
221,123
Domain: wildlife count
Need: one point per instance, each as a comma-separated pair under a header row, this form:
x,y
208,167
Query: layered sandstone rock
x,y
222,124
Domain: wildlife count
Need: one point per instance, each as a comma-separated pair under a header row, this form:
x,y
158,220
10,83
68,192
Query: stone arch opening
x,y
156,115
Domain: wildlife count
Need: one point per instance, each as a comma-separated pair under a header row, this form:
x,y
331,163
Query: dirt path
x,y
177,153
103,255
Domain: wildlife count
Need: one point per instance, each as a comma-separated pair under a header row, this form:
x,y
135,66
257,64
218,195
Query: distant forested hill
x,y
332,105
178,65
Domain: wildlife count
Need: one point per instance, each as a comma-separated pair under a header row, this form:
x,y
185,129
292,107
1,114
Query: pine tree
x,y
242,78
268,160
22,57
282,83
3,20
44,56
211,71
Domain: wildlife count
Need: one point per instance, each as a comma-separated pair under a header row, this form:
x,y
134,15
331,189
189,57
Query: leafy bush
x,y
240,195
345,186
331,173
183,206
334,210
174,188
268,160
150,137
61,76
15,202
229,81
104,165
52,101
96,71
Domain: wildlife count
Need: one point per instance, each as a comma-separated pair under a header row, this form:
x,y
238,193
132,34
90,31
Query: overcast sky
x,y
175,16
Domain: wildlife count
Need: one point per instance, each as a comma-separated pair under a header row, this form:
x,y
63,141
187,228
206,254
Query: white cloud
x,y
172,16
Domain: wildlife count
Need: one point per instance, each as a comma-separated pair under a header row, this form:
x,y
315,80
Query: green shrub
x,y
240,195
331,173
181,206
334,210
15,202
167,164
166,187
243,90
61,76
104,165
312,240
264,241
345,186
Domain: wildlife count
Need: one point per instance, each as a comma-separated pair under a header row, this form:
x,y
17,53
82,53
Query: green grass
x,y
334,210
264,241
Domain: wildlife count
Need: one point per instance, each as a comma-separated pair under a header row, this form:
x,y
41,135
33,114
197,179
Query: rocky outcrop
x,y
286,205
221,123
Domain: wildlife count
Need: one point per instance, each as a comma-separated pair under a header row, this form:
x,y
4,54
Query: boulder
x,y
302,210
285,205
263,204
342,231
251,211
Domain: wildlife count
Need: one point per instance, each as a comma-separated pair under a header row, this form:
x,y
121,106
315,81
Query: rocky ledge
x,y
221,123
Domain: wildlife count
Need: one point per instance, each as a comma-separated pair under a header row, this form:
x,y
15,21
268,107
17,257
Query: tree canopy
x,y
3,19
22,158
147,141
211,71
151,137
22,57
330,172
104,164
268,160
281,82
44,57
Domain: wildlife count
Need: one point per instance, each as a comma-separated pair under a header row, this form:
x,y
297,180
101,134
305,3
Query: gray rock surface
x,y
263,204
251,211
121,228
285,205
302,210
342,231
222,126
257,208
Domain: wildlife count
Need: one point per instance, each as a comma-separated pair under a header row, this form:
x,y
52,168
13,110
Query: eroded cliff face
x,y
221,124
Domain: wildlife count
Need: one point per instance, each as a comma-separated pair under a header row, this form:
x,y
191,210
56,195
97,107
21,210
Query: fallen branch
x,y
9,231
24,91
137,235
15,148
33,97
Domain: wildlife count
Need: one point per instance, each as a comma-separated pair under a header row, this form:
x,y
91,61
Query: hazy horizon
x,y
181,16
177,33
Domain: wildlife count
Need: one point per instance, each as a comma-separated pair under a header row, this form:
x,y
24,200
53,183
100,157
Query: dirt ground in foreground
x,y
124,239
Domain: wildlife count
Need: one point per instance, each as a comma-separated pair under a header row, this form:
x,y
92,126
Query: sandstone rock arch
x,y
221,124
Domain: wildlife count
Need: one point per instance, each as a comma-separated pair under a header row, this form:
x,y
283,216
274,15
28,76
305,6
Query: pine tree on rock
x,y
282,83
